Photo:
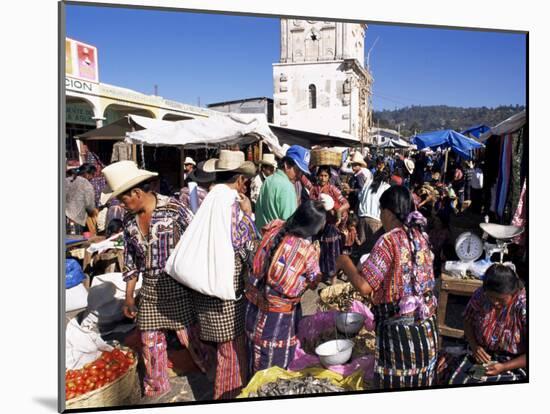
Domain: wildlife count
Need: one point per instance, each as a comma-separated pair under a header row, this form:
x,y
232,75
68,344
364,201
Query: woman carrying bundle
x,y
285,266
399,274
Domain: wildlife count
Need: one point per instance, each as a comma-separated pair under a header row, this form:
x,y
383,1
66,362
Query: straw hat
x,y
121,176
268,159
357,158
409,165
189,160
230,161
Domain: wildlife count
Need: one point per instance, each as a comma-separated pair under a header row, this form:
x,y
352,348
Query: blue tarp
x,y
476,130
447,138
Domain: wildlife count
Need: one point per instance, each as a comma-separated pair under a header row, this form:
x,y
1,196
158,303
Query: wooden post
x,y
182,167
441,179
260,150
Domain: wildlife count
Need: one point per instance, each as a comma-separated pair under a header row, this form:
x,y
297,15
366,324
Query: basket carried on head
x,y
122,391
325,157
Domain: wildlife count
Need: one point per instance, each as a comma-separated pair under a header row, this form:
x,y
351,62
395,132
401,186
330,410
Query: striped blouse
x,y
294,267
503,331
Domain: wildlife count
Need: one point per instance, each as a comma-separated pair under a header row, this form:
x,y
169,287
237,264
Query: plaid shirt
x,y
149,254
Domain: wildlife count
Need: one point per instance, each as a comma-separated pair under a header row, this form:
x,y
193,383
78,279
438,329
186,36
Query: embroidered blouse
x,y
499,331
294,268
389,267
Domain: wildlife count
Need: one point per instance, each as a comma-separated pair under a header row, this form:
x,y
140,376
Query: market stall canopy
x,y
447,138
223,129
508,126
395,143
476,130
309,139
116,131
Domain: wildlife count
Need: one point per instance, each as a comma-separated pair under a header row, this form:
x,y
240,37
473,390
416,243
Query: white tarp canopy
x,y
226,129
512,124
117,130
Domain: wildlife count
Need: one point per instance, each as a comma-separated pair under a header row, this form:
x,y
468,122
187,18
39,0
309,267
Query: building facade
x,y
261,105
320,82
90,104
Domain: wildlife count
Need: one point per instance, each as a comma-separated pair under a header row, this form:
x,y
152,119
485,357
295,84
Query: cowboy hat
x,y
409,165
122,176
230,161
189,160
200,176
268,159
357,158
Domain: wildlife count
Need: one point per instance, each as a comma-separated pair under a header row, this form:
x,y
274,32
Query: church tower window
x,y
312,96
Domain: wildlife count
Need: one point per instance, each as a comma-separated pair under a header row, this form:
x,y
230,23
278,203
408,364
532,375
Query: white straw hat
x,y
357,158
121,176
230,161
189,160
409,165
268,159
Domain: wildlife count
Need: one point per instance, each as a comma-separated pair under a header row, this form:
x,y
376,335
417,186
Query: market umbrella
x,y
447,138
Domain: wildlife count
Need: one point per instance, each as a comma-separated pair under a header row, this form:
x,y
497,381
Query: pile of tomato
x,y
104,370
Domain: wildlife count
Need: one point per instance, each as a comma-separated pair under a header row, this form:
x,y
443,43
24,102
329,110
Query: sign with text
x,y
81,60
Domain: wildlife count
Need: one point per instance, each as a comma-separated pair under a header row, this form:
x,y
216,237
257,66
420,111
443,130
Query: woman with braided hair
x,y
285,266
399,275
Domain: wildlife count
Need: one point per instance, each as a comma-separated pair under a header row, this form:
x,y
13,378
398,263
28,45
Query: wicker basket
x,y
121,391
325,157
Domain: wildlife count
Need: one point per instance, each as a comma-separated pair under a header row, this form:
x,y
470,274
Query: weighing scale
x,y
469,248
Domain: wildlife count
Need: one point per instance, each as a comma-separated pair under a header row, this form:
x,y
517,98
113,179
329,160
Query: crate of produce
x,y
325,157
109,381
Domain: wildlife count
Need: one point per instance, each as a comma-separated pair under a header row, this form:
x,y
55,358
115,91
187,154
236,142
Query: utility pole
x,y
199,101
156,90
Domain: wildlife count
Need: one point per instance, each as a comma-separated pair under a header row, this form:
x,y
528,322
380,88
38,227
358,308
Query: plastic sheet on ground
x,y
350,383
311,327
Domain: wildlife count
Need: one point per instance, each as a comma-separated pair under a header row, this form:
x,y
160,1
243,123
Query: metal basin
x,y
335,352
349,323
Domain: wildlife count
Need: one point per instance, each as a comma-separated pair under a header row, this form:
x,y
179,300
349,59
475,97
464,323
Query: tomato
x,y
90,386
81,389
106,356
100,383
79,380
70,396
100,364
101,375
71,385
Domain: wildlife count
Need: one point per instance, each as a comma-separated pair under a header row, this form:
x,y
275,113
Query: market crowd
x,y
274,229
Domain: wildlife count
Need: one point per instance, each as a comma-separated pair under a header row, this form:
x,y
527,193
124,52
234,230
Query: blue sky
x,y
218,57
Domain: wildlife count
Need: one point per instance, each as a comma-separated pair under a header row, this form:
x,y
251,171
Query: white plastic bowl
x,y
335,352
349,323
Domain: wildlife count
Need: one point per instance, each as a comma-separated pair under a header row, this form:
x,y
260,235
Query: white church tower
x,y
320,83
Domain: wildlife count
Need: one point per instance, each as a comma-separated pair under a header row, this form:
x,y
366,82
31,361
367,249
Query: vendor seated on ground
x,y
495,326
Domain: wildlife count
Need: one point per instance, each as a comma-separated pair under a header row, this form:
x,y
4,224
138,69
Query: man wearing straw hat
x,y
267,168
189,166
216,247
153,225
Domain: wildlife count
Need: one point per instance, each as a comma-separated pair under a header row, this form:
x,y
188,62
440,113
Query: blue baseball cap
x,y
300,156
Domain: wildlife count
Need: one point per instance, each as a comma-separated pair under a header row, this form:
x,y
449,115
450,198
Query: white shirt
x,y
369,202
255,187
477,179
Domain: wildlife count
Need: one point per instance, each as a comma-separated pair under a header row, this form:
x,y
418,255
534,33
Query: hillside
x,y
429,118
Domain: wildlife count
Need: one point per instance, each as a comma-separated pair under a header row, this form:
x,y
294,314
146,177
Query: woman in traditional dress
x,y
285,266
153,225
331,238
495,326
399,275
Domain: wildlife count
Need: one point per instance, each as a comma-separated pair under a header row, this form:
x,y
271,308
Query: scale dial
x,y
469,247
